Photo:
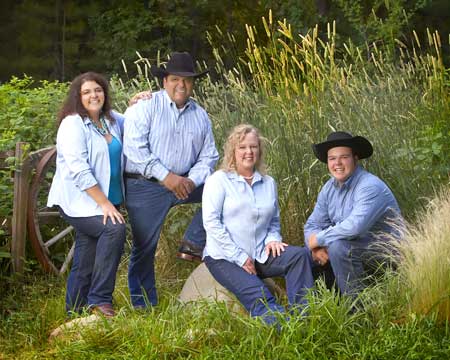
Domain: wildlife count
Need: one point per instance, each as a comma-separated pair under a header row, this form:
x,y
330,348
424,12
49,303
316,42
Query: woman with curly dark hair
x,y
88,189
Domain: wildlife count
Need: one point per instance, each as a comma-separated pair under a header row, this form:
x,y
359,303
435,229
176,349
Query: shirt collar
x,y
349,181
233,175
189,102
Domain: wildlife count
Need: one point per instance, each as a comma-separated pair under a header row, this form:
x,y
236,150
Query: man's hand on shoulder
x,y
179,185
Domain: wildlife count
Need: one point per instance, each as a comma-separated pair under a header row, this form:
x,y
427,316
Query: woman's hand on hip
x,y
110,211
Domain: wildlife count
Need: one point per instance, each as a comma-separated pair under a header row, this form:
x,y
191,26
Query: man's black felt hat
x,y
360,145
181,64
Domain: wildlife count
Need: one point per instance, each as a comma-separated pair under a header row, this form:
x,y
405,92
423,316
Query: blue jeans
x,y
293,264
352,261
98,249
148,204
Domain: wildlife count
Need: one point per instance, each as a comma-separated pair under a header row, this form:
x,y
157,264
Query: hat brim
x,y
161,72
360,146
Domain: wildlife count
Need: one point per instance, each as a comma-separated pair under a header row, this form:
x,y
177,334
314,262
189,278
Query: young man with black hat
x,y
353,210
170,151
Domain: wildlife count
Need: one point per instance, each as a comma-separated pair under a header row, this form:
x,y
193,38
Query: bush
x,y
27,113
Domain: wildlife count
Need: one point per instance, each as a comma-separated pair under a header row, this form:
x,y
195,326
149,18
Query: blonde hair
x,y
236,136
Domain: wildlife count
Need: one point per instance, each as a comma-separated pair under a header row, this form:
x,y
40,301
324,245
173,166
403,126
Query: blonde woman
x,y
241,219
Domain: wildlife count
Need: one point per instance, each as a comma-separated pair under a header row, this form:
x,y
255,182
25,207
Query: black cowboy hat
x,y
180,63
360,145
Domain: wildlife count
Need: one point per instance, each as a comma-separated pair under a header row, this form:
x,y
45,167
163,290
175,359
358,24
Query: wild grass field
x,y
296,89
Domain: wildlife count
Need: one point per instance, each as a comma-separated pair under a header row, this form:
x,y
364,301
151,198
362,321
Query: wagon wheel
x,y
50,236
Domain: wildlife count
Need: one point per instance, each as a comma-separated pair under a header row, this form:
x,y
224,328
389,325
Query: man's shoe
x,y
188,251
105,309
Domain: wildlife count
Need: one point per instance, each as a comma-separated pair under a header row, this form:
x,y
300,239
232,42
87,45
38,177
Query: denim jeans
x,y
352,261
98,249
148,204
293,264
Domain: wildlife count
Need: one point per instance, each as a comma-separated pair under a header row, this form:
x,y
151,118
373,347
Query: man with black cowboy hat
x,y
354,208
170,151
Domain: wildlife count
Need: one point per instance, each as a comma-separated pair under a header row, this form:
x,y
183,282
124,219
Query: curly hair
x,y
236,136
73,105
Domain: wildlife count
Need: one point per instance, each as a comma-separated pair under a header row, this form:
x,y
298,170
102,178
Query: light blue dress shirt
x,y
82,161
239,219
362,207
160,138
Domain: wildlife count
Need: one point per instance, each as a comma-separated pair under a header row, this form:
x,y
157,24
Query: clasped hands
x,y
274,247
319,254
181,186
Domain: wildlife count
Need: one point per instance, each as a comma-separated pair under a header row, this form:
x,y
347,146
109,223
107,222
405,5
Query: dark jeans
x,y
351,263
98,249
293,264
148,204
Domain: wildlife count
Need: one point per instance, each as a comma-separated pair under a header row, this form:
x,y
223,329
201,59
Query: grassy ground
x,y
203,330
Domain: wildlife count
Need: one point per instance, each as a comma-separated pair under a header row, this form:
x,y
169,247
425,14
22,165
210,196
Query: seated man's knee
x,y
338,250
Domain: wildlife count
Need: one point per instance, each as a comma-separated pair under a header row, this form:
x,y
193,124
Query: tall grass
x,y
298,88
425,260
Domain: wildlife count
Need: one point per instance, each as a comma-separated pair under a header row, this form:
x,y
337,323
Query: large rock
x,y
201,285
73,325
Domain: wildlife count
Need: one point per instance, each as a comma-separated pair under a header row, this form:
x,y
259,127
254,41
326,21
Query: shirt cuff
x,y
85,181
241,259
322,239
158,171
271,238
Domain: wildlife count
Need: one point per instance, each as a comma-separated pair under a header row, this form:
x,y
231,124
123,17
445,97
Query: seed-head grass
x,y
425,260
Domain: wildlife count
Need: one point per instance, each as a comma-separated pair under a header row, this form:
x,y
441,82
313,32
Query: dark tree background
x,y
57,39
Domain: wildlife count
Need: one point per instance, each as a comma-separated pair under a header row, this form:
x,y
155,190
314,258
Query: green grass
x,y
205,330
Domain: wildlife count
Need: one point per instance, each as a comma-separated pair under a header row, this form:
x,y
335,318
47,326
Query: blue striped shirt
x,y
359,209
239,219
160,138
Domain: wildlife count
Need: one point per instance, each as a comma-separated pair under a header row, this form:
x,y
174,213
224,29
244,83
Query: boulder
x,y
201,285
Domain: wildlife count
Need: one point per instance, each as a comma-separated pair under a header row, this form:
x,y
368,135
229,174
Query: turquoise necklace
x,y
104,129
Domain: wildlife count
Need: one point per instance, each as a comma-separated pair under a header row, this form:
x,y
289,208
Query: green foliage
x,y
27,114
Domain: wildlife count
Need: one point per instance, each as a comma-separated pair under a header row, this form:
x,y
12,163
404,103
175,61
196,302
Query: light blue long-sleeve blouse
x,y
160,138
362,207
82,161
239,219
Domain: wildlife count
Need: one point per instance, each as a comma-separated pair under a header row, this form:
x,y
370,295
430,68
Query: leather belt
x,y
139,177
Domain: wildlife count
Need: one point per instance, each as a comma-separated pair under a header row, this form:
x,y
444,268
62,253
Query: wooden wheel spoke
x,y
48,214
58,236
67,260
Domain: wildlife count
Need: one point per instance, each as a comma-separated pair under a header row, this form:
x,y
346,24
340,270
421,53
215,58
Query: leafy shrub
x,y
27,113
